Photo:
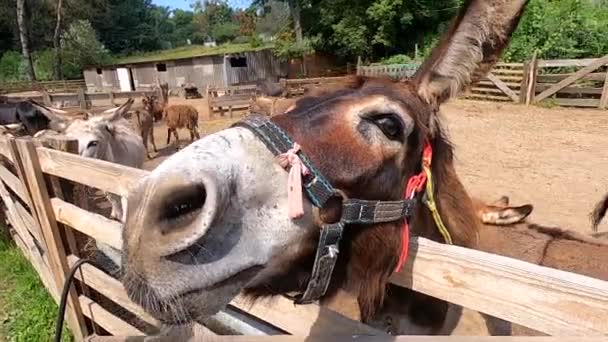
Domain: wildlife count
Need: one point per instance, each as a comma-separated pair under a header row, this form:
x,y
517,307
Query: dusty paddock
x,y
553,158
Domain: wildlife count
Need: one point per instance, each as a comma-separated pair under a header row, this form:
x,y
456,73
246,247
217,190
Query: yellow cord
x,y
430,203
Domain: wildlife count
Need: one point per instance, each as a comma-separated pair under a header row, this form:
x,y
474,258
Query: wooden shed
x,y
219,70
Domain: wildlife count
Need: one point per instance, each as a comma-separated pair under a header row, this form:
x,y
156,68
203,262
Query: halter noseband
x,y
319,191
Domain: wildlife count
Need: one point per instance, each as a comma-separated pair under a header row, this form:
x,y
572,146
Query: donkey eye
x,y
390,126
92,144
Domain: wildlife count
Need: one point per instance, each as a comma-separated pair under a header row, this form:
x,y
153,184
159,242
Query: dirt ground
x,y
553,158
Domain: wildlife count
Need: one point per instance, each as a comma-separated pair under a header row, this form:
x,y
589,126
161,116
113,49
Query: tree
x,y
294,9
183,22
81,48
24,38
274,18
57,74
210,16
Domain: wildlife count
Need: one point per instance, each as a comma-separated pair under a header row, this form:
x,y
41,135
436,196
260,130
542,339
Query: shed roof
x,y
180,53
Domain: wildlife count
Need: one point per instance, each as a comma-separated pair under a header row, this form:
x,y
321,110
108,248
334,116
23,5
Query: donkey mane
x,y
369,253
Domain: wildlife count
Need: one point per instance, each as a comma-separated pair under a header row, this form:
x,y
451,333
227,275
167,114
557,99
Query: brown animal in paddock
x,y
180,116
154,107
145,124
505,231
218,221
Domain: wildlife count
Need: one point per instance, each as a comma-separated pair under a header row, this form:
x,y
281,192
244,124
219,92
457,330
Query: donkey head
x,y
212,220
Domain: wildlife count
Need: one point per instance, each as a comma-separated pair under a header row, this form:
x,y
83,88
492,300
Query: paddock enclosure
x,y
499,148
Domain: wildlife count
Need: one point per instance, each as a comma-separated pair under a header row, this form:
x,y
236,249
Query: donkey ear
x,y
117,113
469,49
505,216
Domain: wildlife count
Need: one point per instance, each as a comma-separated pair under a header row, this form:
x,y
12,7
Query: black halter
x,y
319,191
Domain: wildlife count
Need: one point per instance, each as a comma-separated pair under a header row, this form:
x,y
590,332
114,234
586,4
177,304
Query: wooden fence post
x,y
46,98
533,74
82,99
111,96
57,255
604,98
524,82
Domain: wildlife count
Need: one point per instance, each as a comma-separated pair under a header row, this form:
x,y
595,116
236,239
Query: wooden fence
x,y
395,71
296,86
83,99
42,191
541,80
557,81
48,86
231,97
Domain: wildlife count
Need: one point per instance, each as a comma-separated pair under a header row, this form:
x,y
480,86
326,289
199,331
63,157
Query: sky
x,y
185,4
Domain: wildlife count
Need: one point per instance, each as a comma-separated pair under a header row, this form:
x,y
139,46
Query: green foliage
x,y
43,64
273,19
81,48
225,32
10,64
287,48
561,29
188,51
255,41
27,311
396,59
211,18
127,25
374,28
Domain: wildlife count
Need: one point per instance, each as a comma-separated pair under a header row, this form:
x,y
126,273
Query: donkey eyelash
x,y
383,122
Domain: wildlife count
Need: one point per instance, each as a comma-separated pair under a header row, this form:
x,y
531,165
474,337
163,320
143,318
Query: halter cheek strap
x,y
319,190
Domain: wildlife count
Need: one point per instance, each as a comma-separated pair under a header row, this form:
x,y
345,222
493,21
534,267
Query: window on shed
x,y
238,62
161,67
99,71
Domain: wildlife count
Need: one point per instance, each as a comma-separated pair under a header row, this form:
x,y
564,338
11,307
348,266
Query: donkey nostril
x,y
183,204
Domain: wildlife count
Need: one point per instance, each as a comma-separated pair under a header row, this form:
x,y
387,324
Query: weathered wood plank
x,y
96,173
5,148
532,79
551,63
604,99
48,223
589,103
41,268
554,78
110,288
94,225
544,299
13,183
302,320
571,90
502,86
572,78
105,319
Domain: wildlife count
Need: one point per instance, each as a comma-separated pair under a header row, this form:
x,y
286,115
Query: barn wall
x,y
260,65
144,75
202,71
92,80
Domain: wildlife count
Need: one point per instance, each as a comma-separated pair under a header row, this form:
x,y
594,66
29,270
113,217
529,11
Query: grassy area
x,y
27,311
189,51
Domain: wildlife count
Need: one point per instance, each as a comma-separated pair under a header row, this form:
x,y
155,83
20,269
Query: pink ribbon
x,y
294,182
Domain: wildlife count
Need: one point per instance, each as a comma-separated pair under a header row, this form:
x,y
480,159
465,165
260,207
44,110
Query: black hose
x,y
64,297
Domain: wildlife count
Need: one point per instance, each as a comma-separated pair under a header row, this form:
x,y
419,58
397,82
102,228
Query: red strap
x,y
414,186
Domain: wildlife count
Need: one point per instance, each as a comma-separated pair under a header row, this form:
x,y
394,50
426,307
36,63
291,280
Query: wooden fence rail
x,y
43,219
83,99
48,86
